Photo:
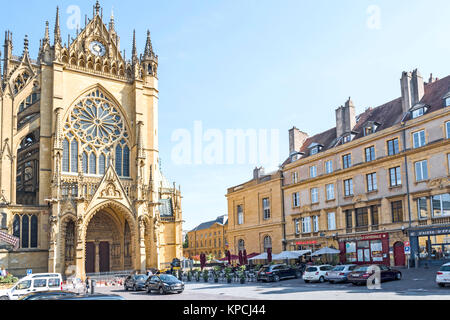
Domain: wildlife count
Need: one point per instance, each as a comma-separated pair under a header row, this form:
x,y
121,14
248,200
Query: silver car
x,y
340,273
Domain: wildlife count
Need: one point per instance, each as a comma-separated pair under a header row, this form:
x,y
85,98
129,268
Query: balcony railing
x,y
441,220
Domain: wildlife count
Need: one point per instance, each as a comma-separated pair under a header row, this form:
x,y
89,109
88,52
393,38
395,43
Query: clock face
x,y
97,48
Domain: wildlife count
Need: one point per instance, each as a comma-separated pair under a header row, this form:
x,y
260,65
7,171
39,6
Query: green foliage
x,y
9,279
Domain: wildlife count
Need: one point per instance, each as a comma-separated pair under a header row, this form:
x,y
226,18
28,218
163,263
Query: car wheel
x,y
7,298
321,279
134,288
398,276
276,278
297,275
161,291
442,285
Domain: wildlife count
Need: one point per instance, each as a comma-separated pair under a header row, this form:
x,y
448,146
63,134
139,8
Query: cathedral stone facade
x,y
80,178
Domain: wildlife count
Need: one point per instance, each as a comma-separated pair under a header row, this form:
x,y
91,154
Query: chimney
x,y
413,89
258,173
345,118
296,140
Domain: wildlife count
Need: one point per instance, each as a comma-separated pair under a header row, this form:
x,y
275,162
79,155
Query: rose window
x,y
95,129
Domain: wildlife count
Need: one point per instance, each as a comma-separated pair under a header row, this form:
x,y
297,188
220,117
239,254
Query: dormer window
x,y
347,138
296,156
370,127
446,99
418,110
315,148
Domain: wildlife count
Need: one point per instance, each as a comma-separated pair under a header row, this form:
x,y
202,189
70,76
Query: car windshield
x,y
445,268
340,268
361,269
264,269
141,277
169,278
311,269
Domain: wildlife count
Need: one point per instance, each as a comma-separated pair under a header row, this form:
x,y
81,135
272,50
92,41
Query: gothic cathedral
x,y
80,180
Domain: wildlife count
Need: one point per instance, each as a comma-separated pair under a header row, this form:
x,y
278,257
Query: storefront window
x,y
376,249
422,208
350,249
441,205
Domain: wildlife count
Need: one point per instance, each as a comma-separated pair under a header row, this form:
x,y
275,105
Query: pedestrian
x,y
87,284
3,272
149,273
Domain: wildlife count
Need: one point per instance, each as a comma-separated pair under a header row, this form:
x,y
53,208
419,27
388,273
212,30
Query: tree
x,y
186,242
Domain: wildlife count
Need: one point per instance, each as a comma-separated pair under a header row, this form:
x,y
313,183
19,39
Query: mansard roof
x,y
222,220
387,115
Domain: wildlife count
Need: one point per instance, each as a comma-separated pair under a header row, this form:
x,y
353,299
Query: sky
x,y
255,65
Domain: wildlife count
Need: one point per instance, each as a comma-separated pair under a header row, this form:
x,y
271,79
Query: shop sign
x,y
366,237
306,242
429,232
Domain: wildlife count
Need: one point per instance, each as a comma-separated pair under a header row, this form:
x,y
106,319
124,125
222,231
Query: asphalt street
x,y
416,284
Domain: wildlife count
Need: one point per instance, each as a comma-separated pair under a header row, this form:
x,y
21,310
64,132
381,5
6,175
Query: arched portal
x,y
109,238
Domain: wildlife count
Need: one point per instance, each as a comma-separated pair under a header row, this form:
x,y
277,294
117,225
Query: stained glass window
x,y
25,226
34,232
65,160
92,164
98,126
16,226
74,156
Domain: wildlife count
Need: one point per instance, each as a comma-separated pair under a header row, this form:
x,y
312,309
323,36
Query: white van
x,y
33,283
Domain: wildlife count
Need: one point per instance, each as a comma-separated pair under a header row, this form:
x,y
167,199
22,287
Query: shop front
x,y
430,246
365,249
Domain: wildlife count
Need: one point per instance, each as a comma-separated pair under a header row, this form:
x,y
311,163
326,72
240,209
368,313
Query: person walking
x,y
87,284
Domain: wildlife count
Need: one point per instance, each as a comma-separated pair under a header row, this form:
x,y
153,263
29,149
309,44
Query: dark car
x,y
135,282
164,283
277,272
47,295
362,273
93,297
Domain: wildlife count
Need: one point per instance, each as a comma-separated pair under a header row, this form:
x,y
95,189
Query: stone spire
x,y
57,28
111,21
25,46
47,34
134,50
97,8
148,47
7,54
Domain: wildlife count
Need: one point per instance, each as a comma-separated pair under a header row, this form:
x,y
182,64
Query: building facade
x,y
367,186
209,238
256,221
363,186
79,165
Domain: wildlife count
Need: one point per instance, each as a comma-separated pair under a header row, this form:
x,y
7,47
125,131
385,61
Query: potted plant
x,y
242,274
197,276
216,277
228,274
205,275
189,276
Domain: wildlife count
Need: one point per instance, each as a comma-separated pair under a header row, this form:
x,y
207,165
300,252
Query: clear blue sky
x,y
259,64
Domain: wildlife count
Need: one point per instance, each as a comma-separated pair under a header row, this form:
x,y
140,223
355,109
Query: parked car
x,y
339,273
164,283
135,282
361,274
443,275
92,297
47,295
33,283
277,272
316,273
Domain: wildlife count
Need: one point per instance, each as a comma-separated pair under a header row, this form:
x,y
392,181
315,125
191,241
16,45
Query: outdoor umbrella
x,y
290,254
229,256
245,257
241,258
269,255
262,256
202,260
326,250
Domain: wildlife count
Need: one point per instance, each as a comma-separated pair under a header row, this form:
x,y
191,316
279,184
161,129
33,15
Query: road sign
x,y
407,244
29,271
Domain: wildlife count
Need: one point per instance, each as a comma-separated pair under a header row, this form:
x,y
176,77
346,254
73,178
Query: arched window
x,y
25,231
85,162
34,232
92,164
74,156
119,160
65,159
97,127
267,243
126,162
16,226
101,164
241,245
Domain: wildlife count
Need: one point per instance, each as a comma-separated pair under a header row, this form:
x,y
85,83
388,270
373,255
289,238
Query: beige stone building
x,y
255,212
79,164
209,238
376,179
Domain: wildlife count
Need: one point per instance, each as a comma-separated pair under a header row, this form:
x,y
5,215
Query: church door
x,y
90,257
104,256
